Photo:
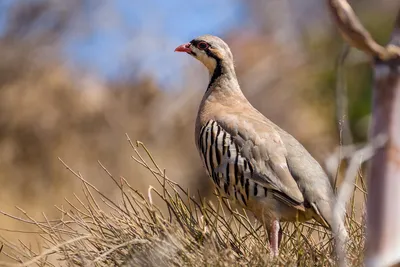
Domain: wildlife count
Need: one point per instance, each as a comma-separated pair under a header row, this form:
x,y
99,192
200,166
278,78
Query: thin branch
x,y
46,252
130,242
354,32
342,114
346,189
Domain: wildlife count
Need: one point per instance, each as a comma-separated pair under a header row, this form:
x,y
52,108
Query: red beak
x,y
184,48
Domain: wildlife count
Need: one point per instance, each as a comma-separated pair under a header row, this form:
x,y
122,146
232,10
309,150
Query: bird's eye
x,y
202,45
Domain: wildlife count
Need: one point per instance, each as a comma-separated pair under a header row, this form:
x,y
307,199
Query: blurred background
x,y
76,75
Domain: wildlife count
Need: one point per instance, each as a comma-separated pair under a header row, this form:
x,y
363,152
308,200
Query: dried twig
x,y
46,252
342,114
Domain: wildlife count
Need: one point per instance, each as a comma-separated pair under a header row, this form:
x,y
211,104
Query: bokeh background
x,y
76,75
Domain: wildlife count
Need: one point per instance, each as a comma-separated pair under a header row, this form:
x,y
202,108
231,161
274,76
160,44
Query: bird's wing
x,y
262,146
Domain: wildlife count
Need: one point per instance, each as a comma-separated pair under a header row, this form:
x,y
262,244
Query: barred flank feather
x,y
230,171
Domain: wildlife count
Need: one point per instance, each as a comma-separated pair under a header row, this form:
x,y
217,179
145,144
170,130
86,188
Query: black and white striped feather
x,y
233,174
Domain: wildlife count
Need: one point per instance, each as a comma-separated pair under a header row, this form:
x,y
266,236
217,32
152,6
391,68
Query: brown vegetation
x,y
190,231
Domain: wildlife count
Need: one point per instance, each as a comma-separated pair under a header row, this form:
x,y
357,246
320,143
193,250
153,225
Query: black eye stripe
x,y
202,45
195,43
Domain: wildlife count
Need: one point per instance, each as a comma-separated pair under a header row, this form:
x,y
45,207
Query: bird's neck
x,y
223,74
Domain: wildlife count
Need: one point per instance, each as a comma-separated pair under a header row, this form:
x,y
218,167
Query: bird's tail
x,y
331,219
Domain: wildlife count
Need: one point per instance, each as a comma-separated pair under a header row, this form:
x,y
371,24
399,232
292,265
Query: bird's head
x,y
211,50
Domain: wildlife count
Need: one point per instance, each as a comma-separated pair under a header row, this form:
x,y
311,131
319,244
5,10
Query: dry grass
x,y
184,229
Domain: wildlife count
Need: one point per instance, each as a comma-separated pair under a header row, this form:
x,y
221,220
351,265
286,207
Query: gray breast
x,y
230,171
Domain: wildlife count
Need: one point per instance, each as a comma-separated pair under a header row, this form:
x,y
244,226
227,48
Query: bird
x,y
251,160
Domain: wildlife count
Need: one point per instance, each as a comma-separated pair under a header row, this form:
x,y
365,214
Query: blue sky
x,y
4,5
115,35
146,32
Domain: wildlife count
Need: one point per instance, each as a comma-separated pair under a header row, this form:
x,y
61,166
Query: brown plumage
x,y
250,159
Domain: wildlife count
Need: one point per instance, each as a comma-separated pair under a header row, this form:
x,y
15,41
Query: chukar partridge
x,y
250,159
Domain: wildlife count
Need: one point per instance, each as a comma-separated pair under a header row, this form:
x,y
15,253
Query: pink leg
x,y
275,235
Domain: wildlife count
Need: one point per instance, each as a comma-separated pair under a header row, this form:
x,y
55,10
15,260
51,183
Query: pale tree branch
x,y
355,34
383,209
357,158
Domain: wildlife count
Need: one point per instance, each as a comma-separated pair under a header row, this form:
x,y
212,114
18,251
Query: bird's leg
x,y
279,234
275,236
